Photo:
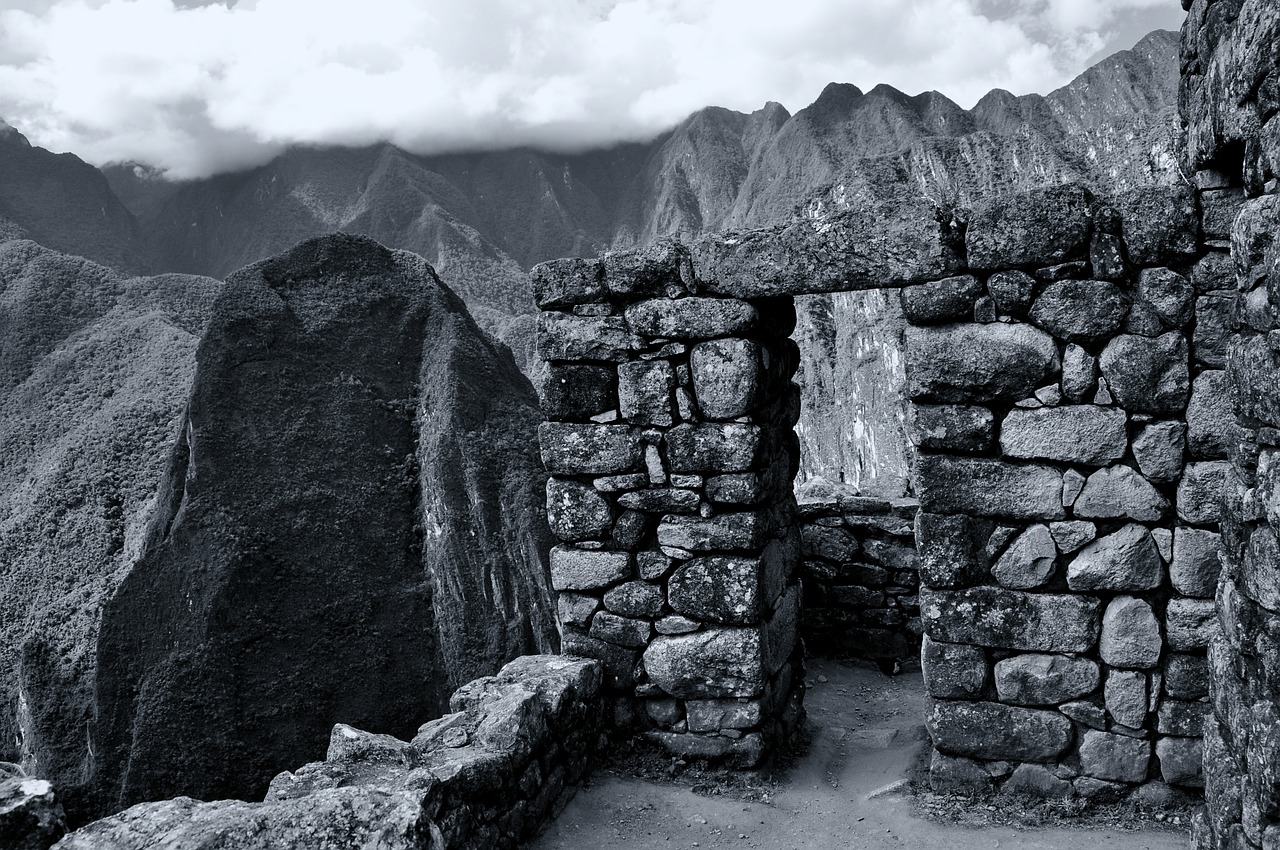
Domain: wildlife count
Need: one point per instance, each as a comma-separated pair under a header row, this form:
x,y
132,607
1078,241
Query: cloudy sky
x,y
194,87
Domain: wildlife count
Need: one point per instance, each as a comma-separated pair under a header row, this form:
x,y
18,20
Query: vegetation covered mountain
x,y
121,444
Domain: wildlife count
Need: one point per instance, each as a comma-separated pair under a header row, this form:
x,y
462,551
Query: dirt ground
x,y
855,785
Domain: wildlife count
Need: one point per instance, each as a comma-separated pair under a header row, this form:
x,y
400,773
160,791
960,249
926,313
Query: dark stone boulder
x,y
1040,228
352,523
1080,309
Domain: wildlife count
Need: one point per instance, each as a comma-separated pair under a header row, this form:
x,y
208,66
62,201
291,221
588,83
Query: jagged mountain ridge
x,y
1111,127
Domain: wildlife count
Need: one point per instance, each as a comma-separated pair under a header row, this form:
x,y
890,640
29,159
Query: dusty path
x,y
845,792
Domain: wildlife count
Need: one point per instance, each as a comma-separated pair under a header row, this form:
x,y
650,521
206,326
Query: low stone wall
x,y
671,448
1071,417
489,775
860,578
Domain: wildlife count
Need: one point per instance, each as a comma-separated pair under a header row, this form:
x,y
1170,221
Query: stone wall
x,y
1230,98
670,444
488,775
1069,415
860,577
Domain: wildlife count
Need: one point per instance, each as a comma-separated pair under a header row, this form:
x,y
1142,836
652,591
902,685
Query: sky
x,y
196,87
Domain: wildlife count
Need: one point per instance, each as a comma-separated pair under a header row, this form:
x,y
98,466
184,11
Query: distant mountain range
x,y
483,219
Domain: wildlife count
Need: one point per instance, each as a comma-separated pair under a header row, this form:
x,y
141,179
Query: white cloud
x,y
197,88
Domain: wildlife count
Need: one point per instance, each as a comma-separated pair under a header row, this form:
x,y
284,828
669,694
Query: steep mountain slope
x,y
94,371
350,526
64,203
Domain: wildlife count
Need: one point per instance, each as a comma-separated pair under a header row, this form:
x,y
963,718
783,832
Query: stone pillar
x,y
669,438
1068,424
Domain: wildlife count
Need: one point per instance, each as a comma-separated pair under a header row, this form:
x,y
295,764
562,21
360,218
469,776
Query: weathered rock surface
x,y
1081,433
1130,634
977,363
1029,561
990,730
1147,374
1120,492
1038,229
1011,619
31,818
983,487
323,546
953,670
716,663
1080,309
1045,679
1124,560
1114,757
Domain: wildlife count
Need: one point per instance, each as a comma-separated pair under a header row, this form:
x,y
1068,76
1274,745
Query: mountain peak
x,y
10,135
837,98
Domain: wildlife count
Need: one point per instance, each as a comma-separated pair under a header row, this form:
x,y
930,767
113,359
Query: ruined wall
x,y
1069,408
1229,100
670,444
486,776
860,577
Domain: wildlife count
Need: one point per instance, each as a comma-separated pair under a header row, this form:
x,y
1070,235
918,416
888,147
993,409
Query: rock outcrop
x,y
349,526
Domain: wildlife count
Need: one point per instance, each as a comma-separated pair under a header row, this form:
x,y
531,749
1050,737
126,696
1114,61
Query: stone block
x,y
622,631
953,670
659,268
983,487
674,624
1037,782
947,300
1158,450
1181,718
1169,294
971,363
716,448
1117,758
1130,635
1126,697
1219,209
1160,223
1083,433
989,730
635,599
1079,373
951,549
1077,310
562,336
1180,761
1200,491
718,590
661,500
1011,619
691,318
1211,421
1029,561
1214,271
1189,623
567,282
1120,492
569,449
1260,569
630,530
727,379
1012,292
1124,560
619,661
581,569
1186,676
951,427
1107,257
715,663
1213,330
644,392
577,511
834,544
1085,713
575,609
577,390
1148,375
1072,536
1035,229
1195,566
1253,368
712,715
948,775
1044,679
735,531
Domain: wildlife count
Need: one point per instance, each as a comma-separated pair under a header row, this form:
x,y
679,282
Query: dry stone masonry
x,y
487,775
860,578
1230,97
1067,400
671,448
